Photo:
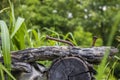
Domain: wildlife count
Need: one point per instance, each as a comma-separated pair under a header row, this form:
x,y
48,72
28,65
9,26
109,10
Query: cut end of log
x,y
69,68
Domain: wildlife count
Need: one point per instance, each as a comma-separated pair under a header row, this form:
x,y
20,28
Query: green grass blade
x,y
1,73
4,9
3,68
104,60
5,44
71,40
35,37
117,58
52,31
114,28
12,15
19,37
18,24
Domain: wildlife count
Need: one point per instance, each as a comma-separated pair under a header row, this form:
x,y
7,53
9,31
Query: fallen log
x,y
67,68
92,55
69,62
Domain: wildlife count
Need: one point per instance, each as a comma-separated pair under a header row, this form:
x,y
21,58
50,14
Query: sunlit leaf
x,y
18,24
5,44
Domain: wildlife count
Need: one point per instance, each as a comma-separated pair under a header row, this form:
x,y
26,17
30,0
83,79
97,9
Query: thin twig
x,y
59,40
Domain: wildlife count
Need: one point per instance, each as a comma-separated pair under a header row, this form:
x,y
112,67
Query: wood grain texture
x,y
70,68
92,55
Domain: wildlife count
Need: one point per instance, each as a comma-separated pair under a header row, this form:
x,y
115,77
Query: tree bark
x,y
92,55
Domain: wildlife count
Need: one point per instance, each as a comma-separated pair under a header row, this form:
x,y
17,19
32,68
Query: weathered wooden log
x,y
92,55
71,64
28,71
69,68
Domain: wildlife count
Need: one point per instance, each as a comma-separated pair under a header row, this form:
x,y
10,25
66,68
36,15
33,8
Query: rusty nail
x,y
94,40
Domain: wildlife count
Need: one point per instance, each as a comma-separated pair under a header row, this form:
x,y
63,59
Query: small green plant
x,y
5,51
7,35
101,74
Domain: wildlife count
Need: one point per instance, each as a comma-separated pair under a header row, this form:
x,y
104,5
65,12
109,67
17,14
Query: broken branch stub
x,y
59,40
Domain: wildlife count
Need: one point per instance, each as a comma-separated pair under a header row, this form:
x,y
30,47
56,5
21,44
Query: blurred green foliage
x,y
74,20
94,16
